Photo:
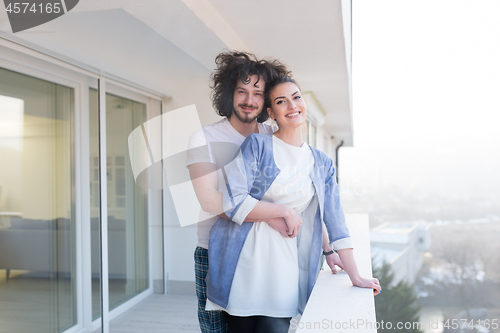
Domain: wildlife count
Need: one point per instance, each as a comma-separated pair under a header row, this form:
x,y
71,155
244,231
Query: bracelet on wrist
x,y
329,252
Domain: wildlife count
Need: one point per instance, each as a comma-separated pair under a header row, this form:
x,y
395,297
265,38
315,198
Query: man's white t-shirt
x,y
217,143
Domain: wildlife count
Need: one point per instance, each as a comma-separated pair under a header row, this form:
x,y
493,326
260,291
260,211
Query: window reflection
x,y
37,224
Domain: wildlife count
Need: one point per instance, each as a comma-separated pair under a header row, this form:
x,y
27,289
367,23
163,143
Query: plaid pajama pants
x,y
210,321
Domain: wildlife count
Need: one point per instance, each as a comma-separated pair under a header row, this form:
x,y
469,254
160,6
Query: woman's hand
x,y
372,283
334,260
278,224
347,257
293,221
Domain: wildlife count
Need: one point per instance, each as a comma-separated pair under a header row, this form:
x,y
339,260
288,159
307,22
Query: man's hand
x,y
279,225
334,260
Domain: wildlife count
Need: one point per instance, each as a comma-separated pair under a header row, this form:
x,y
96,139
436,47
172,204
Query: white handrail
x,y
335,304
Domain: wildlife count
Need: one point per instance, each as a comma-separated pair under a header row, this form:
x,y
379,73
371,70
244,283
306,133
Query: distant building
x,y
402,245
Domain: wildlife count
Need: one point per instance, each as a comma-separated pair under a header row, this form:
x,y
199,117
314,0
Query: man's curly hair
x,y
234,66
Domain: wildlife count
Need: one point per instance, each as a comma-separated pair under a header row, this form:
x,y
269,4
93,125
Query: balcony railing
x,y
335,304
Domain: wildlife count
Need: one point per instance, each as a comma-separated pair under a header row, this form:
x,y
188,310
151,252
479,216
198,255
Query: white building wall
x,y
402,246
191,86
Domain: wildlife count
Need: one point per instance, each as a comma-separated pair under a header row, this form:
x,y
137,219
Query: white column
x,y
103,182
82,164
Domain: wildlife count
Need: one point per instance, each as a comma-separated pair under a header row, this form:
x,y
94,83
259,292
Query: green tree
x,y
397,303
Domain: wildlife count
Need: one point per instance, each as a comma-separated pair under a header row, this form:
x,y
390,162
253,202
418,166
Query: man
x,y
239,87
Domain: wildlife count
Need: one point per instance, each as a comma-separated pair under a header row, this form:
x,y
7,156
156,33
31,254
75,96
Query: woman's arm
x,y
246,181
332,259
347,257
339,233
273,210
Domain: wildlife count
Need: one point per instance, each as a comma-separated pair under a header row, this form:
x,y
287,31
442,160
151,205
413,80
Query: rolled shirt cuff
x,y
245,208
344,243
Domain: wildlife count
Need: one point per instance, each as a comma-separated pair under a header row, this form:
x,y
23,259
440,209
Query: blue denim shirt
x,y
249,176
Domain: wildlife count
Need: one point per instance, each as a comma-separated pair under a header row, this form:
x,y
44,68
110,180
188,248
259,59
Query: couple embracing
x,y
270,209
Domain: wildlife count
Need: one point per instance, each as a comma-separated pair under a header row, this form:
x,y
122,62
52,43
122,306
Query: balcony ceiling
x,y
307,36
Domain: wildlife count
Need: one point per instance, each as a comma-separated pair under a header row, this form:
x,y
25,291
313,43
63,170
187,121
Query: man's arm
x,y
206,186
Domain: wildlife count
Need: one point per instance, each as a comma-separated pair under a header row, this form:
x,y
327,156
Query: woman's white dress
x,y
266,281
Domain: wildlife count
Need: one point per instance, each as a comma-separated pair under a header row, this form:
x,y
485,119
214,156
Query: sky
x,y
426,96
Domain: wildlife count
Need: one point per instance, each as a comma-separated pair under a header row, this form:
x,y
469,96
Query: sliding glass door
x,y
52,172
127,204
37,208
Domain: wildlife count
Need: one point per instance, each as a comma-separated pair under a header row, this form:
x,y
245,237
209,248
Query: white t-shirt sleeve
x,y
198,149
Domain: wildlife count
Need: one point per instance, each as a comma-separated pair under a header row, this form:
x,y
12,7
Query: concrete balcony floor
x,y
159,314
162,313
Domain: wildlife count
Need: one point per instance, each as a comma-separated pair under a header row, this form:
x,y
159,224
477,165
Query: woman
x,y
257,276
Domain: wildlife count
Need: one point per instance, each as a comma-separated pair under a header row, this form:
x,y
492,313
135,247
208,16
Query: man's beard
x,y
244,118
